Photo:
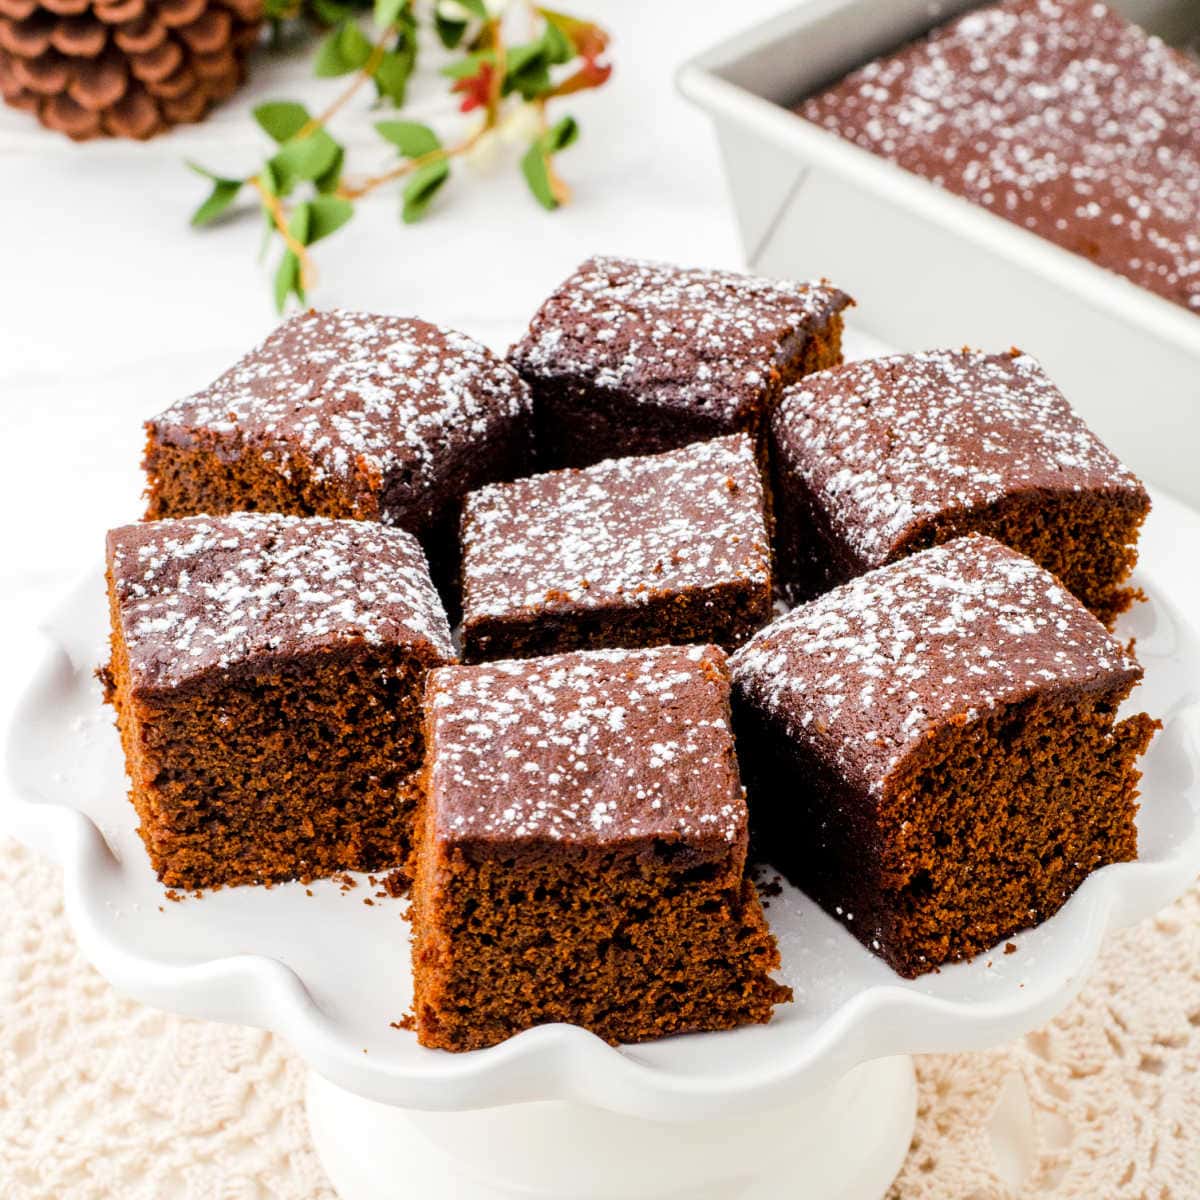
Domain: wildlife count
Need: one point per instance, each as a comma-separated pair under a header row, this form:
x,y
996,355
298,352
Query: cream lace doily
x,y
102,1098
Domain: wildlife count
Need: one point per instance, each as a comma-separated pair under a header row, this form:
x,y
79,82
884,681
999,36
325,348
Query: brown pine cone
x,y
123,68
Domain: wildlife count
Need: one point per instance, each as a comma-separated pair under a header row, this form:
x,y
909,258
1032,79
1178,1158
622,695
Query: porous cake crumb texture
x,y
634,357
879,458
343,414
583,850
932,750
267,676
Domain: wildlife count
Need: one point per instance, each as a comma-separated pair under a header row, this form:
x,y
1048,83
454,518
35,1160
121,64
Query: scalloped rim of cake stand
x,y
561,1062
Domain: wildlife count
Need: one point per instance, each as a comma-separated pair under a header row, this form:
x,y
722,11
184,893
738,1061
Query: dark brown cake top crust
x,y
204,593
359,393
868,670
888,443
600,747
623,530
676,337
1056,114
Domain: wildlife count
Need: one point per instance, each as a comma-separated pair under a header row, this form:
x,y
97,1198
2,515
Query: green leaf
x,y
343,50
526,70
223,194
281,119
411,138
393,73
560,135
327,215
465,68
450,32
306,158
527,66
585,37
477,8
535,165
329,59
334,12
532,82
387,12
300,222
558,45
329,179
536,170
519,57
287,281
204,171
421,188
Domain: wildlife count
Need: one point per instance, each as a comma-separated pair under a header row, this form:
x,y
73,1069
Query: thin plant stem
x,y
372,182
368,69
274,206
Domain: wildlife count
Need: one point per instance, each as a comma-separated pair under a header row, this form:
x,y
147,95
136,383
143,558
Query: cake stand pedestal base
x,y
846,1143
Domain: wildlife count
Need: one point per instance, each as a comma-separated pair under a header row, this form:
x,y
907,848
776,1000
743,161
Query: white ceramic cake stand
x,y
819,1103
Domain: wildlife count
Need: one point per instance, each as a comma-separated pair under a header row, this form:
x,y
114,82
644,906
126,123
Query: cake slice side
x,y
932,752
344,414
267,677
582,853
212,471
880,458
634,357
631,944
305,771
986,830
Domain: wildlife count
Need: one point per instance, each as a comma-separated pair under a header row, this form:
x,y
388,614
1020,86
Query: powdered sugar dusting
x,y
595,746
886,444
377,403
681,338
867,670
1055,114
621,532
205,592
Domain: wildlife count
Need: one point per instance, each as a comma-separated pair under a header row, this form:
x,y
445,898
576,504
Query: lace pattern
x,y
101,1097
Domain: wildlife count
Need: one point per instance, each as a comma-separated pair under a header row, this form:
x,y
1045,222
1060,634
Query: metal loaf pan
x,y
929,268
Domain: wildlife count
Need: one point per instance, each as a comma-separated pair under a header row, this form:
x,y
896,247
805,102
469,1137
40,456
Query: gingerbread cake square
x,y
1058,115
344,414
582,852
669,547
267,674
932,750
876,459
631,357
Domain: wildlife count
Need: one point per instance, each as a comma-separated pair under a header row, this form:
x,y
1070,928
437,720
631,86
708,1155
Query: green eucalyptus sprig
x,y
302,190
